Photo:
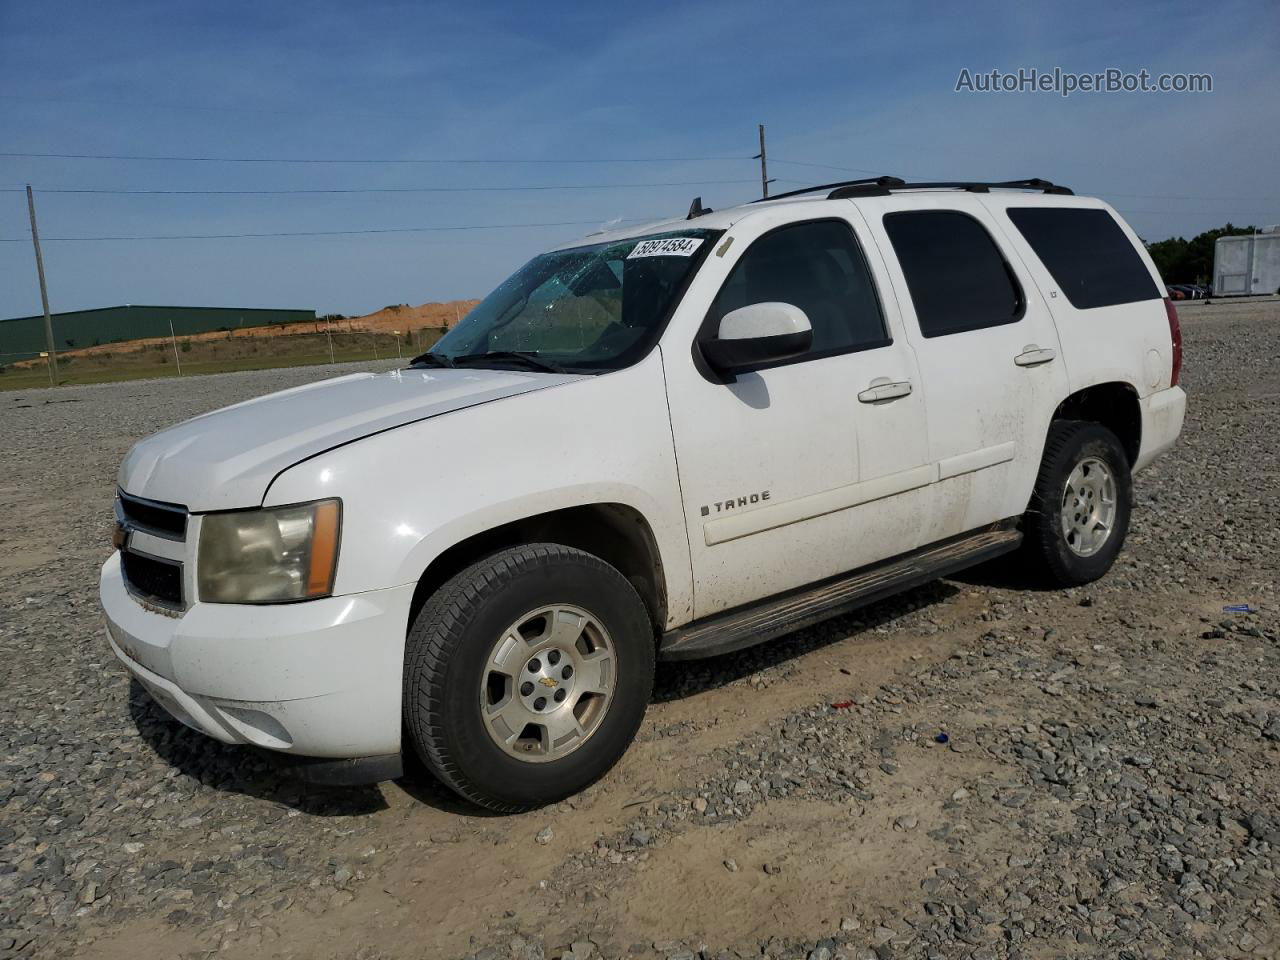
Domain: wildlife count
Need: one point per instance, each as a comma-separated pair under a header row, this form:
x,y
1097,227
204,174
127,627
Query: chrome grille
x,y
151,536
153,579
163,519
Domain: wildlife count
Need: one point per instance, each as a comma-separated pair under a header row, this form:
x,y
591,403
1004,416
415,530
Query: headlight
x,y
269,556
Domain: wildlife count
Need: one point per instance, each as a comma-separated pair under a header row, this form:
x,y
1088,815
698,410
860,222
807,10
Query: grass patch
x,y
211,357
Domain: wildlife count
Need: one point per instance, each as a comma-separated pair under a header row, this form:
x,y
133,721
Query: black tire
x,y
1046,547
447,650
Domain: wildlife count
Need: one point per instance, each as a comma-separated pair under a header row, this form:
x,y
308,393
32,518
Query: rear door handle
x,y
1033,356
882,388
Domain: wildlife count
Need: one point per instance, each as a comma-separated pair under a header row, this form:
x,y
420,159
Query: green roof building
x,y
23,337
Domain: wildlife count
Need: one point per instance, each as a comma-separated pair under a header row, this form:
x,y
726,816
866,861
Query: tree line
x,y
1191,261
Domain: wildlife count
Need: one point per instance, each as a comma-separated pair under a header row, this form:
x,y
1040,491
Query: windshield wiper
x,y
435,359
525,357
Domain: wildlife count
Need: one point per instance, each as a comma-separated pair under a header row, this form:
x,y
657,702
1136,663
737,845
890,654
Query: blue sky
x,y
862,86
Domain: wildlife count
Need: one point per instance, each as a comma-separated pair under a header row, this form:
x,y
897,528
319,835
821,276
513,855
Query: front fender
x,y
465,526
411,493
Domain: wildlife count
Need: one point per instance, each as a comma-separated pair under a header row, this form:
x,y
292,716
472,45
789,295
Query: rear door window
x,y
957,276
1087,254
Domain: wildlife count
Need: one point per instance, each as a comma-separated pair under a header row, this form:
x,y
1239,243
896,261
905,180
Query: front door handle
x,y
882,388
1033,356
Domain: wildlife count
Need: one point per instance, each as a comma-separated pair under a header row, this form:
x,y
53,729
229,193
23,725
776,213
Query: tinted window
x,y
819,268
1088,255
956,274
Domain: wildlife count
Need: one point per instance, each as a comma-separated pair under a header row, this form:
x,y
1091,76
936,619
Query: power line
x,y
358,190
1157,196
385,230
358,160
323,233
484,189
156,105
113,191
1100,193
826,166
1172,213
486,160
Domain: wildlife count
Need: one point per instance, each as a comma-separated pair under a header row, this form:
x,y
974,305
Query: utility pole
x,y
174,337
764,166
44,293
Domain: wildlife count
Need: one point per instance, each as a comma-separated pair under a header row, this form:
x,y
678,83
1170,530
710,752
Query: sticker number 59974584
x,y
670,247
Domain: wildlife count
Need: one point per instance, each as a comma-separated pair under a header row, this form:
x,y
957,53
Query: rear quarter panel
x,y
1124,343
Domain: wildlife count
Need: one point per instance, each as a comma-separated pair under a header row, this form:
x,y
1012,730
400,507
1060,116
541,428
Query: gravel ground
x,y
1107,785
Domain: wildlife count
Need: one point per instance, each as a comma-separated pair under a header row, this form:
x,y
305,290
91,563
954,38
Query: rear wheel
x,y
527,675
1079,513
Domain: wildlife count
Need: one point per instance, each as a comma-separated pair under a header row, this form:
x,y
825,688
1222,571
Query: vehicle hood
x,y
228,458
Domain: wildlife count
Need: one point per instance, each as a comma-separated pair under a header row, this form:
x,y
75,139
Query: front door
x,y
814,465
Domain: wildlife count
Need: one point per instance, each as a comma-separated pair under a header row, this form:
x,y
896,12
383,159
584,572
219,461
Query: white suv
x,y
671,442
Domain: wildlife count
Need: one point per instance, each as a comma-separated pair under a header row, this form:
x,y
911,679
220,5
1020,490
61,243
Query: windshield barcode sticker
x,y
670,247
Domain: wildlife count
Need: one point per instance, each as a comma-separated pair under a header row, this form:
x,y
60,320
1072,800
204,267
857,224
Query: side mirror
x,y
757,334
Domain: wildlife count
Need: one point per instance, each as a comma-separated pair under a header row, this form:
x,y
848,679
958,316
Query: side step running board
x,y
747,626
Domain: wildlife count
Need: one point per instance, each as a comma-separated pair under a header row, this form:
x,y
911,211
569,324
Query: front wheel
x,y
1079,513
527,675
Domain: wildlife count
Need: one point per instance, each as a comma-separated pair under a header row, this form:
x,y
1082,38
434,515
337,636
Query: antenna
x,y
696,209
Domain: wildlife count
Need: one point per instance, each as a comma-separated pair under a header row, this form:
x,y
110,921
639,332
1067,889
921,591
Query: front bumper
x,y
321,678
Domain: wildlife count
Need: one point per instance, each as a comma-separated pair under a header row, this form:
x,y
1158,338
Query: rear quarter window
x,y
1091,259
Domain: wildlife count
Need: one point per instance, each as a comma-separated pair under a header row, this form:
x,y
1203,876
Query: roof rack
x,y
885,182
875,189
883,186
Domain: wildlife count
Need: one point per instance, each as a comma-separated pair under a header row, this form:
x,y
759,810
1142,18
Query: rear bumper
x,y
1162,416
315,679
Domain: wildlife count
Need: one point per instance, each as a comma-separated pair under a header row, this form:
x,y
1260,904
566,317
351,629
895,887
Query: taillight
x,y
1175,335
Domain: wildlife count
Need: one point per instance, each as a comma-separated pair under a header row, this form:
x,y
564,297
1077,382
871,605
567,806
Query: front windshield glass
x,y
591,308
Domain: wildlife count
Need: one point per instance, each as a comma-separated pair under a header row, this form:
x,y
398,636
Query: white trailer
x,y
1248,264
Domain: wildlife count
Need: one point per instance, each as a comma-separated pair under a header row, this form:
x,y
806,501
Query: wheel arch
x,y
1114,405
617,533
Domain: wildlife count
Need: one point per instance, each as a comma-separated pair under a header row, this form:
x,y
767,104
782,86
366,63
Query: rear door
x,y
809,467
988,352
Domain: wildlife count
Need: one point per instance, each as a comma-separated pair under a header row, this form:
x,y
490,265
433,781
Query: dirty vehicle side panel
x,y
549,451
787,476
989,354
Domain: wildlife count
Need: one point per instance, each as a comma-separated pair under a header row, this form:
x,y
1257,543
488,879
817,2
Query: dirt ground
x,y
1107,786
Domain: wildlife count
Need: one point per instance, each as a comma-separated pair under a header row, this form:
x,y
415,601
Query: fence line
x,y
193,355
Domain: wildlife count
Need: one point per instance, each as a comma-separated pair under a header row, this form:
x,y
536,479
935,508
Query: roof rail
x,y
868,181
874,189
